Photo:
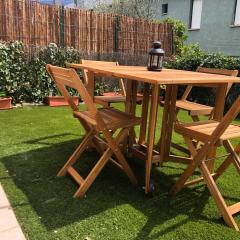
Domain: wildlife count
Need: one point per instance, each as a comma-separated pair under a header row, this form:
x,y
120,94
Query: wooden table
x,y
171,78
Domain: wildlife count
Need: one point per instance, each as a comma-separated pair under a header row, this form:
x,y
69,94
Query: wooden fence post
x,y
117,29
61,27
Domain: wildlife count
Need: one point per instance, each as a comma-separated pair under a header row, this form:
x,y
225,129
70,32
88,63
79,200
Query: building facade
x,y
214,24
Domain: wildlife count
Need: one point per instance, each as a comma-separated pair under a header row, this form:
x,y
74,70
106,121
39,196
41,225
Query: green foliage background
x,y
24,77
192,56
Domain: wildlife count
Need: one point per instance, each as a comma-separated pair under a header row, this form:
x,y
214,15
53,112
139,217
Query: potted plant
x,y
5,102
57,101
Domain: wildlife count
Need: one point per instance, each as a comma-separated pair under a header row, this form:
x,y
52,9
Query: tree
x,y
145,9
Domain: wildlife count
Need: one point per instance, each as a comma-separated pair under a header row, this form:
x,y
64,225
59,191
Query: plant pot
x,y
55,101
5,103
111,94
140,97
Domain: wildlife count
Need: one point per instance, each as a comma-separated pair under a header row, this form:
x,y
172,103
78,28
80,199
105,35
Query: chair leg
x,y
116,150
93,174
232,158
198,156
224,210
83,145
191,146
195,118
183,178
234,153
104,159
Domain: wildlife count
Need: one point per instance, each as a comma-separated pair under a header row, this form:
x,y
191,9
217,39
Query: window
x,y
165,9
196,14
237,13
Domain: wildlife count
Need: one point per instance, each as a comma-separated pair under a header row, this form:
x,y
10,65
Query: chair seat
x,y
109,99
202,130
194,109
118,98
113,118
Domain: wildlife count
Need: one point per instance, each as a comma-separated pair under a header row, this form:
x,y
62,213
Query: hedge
x,y
191,57
24,77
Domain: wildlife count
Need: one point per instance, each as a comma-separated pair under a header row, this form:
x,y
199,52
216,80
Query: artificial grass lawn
x,y
34,145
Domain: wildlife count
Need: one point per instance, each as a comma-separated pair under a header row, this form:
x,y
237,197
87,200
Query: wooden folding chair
x,y
95,121
105,100
195,109
212,134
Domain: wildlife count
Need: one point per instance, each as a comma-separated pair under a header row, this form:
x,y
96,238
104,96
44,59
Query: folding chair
x,y
196,109
212,134
95,121
106,100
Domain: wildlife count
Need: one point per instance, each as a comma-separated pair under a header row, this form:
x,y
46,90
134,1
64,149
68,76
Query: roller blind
x,y
237,13
196,14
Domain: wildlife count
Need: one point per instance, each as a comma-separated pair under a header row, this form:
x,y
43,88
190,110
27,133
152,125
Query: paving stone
x,y
9,226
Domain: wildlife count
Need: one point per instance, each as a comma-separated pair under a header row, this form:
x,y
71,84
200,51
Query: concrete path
x,y
9,227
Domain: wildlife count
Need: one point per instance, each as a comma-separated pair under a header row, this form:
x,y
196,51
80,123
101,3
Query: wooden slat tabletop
x,y
166,76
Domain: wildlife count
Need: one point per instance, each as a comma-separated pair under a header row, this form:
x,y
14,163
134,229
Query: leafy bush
x,y
41,84
26,79
190,58
13,70
193,56
179,33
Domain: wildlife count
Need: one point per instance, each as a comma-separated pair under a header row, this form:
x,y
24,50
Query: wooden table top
x,y
166,76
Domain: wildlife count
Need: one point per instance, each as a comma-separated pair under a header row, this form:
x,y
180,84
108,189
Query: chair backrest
x,y
226,72
68,77
225,122
107,64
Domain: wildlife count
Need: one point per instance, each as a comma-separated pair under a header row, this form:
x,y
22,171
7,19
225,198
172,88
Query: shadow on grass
x,y
34,173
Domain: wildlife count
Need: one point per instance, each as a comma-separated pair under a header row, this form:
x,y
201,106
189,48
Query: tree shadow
x,y
34,173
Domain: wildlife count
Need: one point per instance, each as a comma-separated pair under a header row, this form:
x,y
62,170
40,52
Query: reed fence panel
x,y
37,24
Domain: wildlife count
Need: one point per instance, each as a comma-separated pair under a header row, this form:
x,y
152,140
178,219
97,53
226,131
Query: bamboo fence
x,y
37,24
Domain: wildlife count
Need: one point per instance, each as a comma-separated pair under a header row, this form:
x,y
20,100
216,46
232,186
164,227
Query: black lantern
x,y
155,58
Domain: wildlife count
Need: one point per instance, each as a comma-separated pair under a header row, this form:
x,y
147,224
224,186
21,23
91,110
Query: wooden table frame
x,y
172,78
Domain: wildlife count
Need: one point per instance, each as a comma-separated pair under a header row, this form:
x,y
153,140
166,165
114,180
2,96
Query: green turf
x,y
35,143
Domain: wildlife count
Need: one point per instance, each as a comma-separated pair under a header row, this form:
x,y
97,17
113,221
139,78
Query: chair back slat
x,y
67,77
226,72
106,64
186,93
226,120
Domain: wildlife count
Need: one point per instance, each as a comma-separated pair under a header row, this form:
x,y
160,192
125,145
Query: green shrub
x,y
193,56
13,70
26,79
39,82
179,33
190,58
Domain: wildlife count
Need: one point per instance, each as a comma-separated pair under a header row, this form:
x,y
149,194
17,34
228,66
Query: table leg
x,y
167,122
151,135
90,83
130,107
145,105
